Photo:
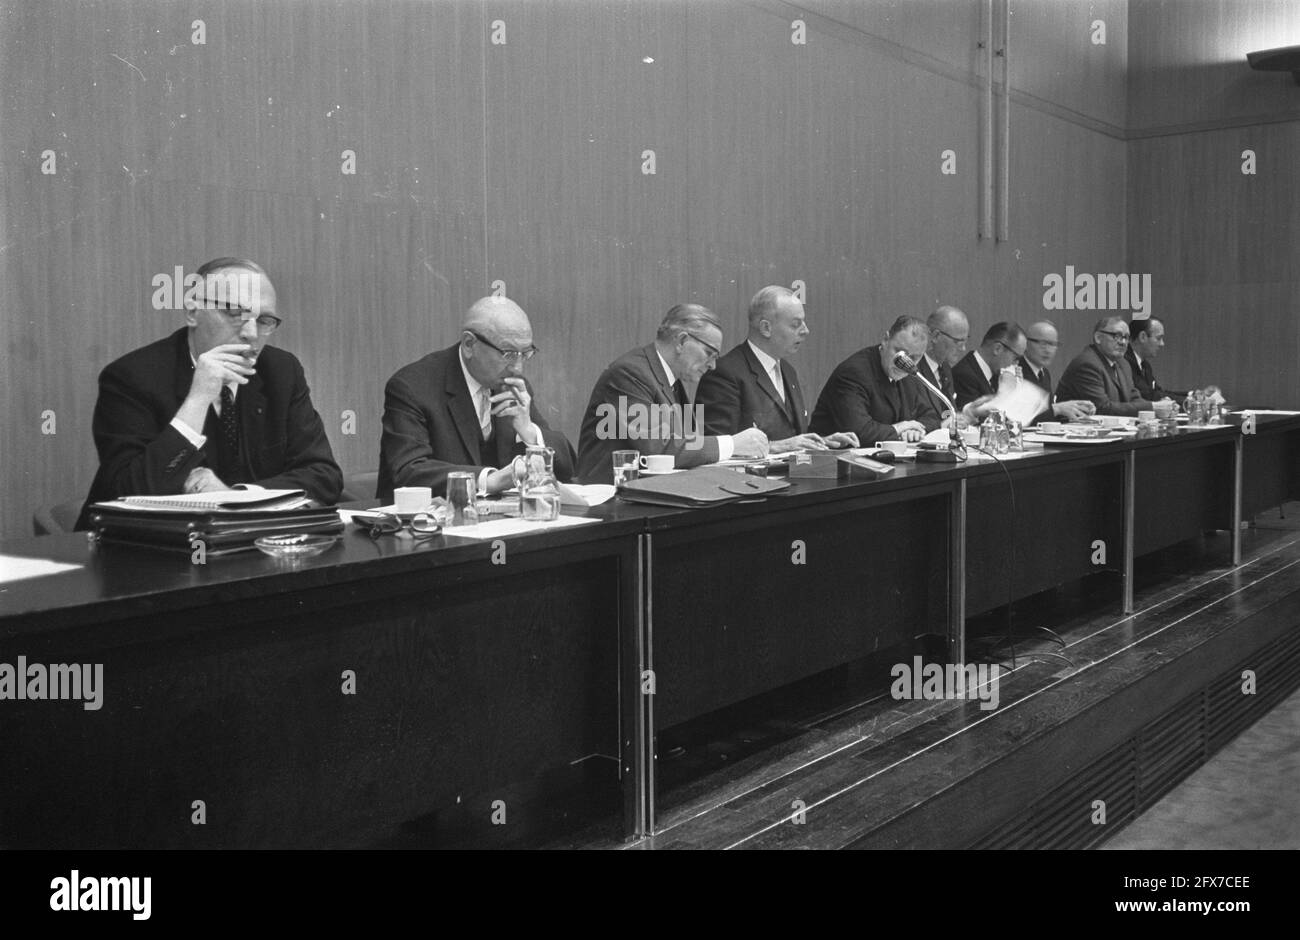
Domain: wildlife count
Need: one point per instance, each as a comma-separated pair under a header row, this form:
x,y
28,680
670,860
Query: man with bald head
x,y
467,407
1042,344
949,333
866,393
755,386
1101,375
641,402
212,406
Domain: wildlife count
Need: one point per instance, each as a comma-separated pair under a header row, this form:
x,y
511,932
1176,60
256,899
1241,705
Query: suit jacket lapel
x,y
661,378
764,379
251,404
460,405
945,380
183,377
798,413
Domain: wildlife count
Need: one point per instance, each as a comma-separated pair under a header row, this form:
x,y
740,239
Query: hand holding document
x,y
1019,400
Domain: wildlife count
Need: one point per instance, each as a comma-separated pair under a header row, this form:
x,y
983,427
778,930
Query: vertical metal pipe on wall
x,y
1004,146
986,121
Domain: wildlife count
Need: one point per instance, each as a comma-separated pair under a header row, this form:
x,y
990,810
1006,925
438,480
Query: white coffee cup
x,y
658,463
896,447
412,498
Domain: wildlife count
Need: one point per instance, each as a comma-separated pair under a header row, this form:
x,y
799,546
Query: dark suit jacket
x,y
739,394
1090,378
859,397
943,380
1144,380
431,429
141,454
637,380
968,379
1044,381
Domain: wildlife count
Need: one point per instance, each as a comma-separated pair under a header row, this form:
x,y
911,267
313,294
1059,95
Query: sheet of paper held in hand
x,y
16,568
1020,401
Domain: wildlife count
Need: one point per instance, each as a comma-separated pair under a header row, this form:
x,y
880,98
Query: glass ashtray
x,y
294,546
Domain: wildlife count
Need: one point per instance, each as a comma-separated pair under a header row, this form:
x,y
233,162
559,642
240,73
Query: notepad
x,y
225,500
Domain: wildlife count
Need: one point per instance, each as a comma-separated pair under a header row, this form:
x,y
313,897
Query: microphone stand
x,y
956,446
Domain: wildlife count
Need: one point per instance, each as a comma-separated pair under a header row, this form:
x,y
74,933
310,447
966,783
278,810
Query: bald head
x,y
493,327
1043,343
949,331
946,316
496,313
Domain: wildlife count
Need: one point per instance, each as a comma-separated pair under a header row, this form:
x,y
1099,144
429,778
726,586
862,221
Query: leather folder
x,y
221,531
703,486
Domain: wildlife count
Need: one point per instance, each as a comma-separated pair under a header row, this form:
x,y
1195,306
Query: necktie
x,y
679,392
229,425
777,381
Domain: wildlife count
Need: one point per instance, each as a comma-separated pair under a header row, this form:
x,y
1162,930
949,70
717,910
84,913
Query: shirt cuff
x,y
726,446
195,438
482,480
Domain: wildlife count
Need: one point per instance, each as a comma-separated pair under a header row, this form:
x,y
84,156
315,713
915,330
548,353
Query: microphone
x,y
905,363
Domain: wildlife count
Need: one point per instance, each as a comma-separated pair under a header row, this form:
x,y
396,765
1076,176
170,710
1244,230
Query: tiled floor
x,y
1246,797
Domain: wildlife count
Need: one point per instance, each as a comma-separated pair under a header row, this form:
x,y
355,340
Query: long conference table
x,y
395,692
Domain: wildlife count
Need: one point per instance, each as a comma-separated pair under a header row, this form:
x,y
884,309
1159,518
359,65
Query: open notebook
x,y
224,500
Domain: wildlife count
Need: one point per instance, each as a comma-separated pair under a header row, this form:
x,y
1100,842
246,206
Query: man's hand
x,y
800,442
513,401
218,366
1073,410
963,421
212,370
910,431
498,481
750,443
841,439
203,480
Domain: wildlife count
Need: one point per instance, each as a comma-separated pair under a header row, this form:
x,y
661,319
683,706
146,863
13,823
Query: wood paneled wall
x,y
1220,244
522,163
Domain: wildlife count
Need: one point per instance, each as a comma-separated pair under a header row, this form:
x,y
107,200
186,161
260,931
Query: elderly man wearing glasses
x,y
467,408
1101,375
642,402
1043,344
212,405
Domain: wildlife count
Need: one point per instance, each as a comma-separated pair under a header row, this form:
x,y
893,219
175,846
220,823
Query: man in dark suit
x,y
756,386
212,405
467,408
949,333
1101,375
976,375
640,401
1043,342
1146,344
867,394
